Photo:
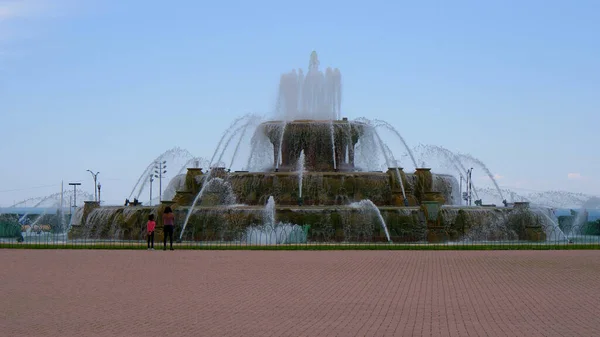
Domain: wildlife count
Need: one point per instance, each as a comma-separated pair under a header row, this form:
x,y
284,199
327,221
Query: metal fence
x,y
294,237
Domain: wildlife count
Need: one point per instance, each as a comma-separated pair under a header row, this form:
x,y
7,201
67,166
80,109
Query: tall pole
x,y
99,199
469,185
160,169
62,191
151,181
460,190
74,193
95,176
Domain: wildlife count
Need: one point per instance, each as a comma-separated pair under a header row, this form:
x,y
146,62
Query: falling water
x,y
367,205
207,181
196,162
452,159
579,223
249,120
485,169
240,129
555,227
252,121
143,179
52,200
300,169
283,126
269,212
387,161
272,232
231,127
386,125
332,144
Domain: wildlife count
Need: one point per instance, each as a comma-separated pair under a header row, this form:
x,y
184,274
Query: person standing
x,y
169,224
150,226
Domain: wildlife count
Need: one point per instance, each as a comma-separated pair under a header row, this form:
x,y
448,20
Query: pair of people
x,y
168,225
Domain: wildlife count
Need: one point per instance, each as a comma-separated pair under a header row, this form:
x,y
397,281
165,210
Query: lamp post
x,y
460,189
469,184
160,168
151,181
75,193
95,176
99,199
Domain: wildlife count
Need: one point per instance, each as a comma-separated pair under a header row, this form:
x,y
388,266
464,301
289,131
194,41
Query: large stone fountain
x,y
312,182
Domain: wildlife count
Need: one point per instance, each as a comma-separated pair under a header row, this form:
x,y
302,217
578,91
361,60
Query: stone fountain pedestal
x,y
436,231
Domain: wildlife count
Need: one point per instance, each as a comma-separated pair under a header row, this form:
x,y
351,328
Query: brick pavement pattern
x,y
299,293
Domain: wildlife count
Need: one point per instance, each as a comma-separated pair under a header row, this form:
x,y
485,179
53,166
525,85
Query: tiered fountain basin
x,y
210,221
327,223
323,188
314,137
220,205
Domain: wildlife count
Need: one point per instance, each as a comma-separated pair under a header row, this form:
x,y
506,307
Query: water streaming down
x,y
208,181
367,205
195,162
250,123
387,160
558,199
169,155
300,169
555,231
262,157
380,123
428,150
485,226
250,120
485,169
367,150
453,160
54,201
579,223
232,126
279,149
331,130
271,232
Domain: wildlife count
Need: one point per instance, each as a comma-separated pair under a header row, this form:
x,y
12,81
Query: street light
x,y
95,176
74,193
159,170
151,181
469,183
99,199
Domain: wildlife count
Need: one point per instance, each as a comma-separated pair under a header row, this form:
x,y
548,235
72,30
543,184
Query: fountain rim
x,y
313,121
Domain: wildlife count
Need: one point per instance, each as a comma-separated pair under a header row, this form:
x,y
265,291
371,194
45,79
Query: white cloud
x,y
574,176
498,177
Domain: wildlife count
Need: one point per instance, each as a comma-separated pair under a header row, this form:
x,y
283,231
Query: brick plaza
x,y
299,293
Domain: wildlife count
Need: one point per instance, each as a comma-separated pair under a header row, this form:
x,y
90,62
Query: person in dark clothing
x,y
169,224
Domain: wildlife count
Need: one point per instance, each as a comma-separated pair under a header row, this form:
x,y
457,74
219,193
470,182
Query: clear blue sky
x,y
109,85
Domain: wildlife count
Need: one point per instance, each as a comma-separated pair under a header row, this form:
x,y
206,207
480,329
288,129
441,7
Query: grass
x,y
306,247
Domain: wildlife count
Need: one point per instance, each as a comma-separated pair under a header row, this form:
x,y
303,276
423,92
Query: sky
x,y
109,85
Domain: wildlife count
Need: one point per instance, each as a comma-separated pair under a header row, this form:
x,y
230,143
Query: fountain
x,y
300,169
314,176
41,219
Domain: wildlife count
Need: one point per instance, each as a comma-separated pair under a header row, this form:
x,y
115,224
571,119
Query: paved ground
x,y
327,293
